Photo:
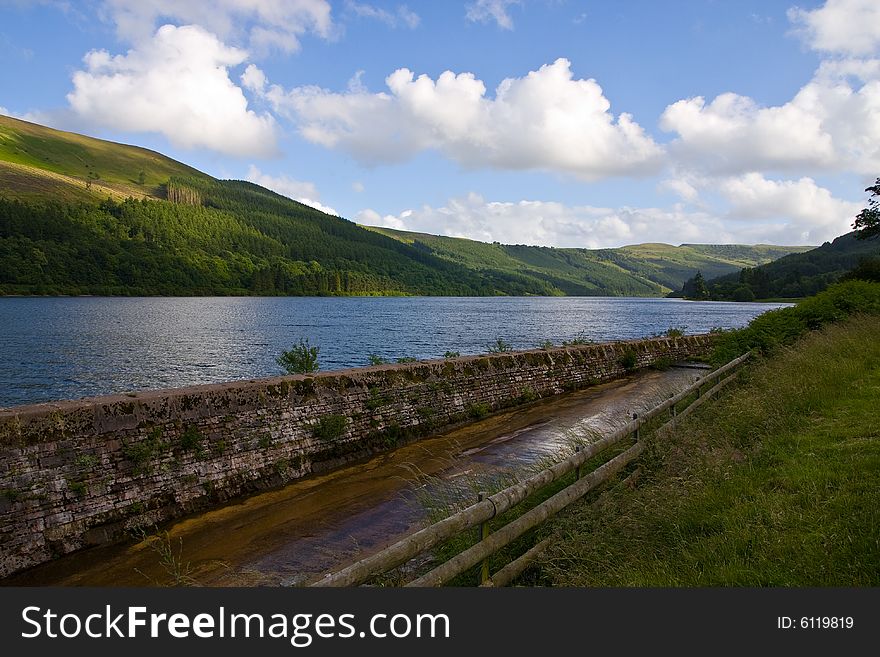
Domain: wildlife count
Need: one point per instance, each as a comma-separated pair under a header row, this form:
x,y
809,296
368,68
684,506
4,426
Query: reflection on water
x,y
66,348
321,523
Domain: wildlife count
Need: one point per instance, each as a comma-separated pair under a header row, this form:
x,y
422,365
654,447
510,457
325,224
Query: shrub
x,y
142,453
191,438
452,354
547,344
376,360
392,436
87,461
743,293
578,340
479,410
77,487
675,331
528,395
329,427
499,346
405,359
376,400
628,360
785,325
300,359
11,494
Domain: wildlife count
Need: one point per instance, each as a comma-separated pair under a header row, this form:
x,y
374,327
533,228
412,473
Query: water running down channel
x,y
321,523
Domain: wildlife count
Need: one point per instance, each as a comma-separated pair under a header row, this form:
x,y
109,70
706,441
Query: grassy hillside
x,y
672,265
85,216
36,161
796,275
640,270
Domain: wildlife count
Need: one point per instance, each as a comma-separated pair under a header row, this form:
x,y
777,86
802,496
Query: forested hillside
x,y
794,276
80,215
240,239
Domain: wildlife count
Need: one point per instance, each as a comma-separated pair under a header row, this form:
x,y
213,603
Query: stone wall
x,y
81,473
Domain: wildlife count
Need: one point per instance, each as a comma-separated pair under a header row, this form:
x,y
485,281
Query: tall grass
x,y
784,326
775,483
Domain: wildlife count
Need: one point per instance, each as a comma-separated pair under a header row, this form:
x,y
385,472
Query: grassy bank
x,y
784,326
775,483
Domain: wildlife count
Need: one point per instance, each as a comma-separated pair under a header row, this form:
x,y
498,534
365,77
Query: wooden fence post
x,y
484,534
579,470
636,433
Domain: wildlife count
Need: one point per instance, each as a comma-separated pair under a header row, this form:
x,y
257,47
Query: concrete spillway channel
x,y
321,523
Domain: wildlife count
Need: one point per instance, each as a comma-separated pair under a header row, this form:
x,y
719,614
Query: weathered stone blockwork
x,y
81,473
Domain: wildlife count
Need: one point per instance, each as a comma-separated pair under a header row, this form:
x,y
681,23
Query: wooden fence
x,y
490,506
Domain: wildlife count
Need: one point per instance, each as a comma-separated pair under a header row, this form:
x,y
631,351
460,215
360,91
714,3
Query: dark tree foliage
x,y
794,276
867,223
217,237
695,288
235,238
868,269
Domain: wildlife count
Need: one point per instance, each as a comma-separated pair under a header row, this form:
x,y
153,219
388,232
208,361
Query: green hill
x,y
80,215
37,162
671,265
639,270
793,276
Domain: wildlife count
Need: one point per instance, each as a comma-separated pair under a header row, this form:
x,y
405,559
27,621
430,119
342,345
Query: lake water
x,y
67,348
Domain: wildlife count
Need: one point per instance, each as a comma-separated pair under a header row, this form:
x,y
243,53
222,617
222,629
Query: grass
x,y
170,555
784,326
777,483
42,159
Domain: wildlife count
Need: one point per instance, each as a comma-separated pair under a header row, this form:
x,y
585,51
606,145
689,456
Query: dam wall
x,y
82,473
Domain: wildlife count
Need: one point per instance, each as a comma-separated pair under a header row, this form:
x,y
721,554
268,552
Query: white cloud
x,y
403,16
832,123
483,11
357,186
254,79
553,224
265,24
804,212
304,192
849,27
757,210
545,120
682,187
177,84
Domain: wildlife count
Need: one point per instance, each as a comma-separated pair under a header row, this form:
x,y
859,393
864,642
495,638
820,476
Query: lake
x,y
67,348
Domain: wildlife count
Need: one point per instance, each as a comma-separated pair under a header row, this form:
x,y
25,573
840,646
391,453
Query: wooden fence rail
x,y
492,506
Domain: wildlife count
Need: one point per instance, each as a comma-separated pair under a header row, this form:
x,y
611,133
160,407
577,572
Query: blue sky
x,y
555,122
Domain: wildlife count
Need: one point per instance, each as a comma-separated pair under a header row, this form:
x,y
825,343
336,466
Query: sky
x,y
576,123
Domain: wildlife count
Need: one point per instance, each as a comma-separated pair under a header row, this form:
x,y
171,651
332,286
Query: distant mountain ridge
x,y
793,276
638,270
80,215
